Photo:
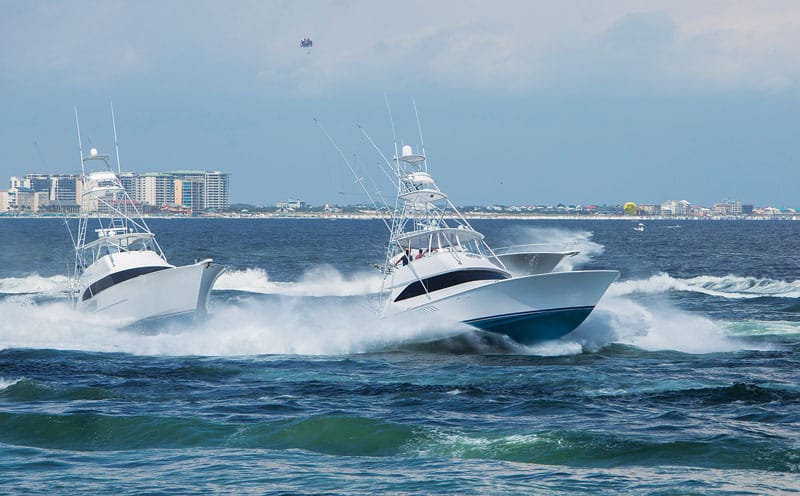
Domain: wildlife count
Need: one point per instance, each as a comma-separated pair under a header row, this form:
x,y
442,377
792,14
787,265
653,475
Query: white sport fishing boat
x,y
121,271
437,263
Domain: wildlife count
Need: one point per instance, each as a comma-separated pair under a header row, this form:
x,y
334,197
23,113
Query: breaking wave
x,y
253,325
730,286
656,327
34,283
319,281
6,383
328,313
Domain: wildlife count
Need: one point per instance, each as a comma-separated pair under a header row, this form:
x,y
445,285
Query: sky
x,y
520,101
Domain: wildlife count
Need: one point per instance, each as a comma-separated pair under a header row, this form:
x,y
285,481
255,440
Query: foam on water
x,y
618,318
730,286
335,326
321,280
761,328
6,383
34,283
275,325
655,327
326,313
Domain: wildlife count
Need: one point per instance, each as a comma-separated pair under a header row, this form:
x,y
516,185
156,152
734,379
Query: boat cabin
x,y
115,240
456,239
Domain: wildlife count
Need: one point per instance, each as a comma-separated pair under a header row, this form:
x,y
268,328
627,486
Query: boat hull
x,y
528,309
173,292
535,326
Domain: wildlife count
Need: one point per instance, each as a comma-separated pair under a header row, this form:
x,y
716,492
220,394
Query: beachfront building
x,y
727,208
733,208
155,188
183,191
129,182
152,188
37,192
64,189
179,191
290,205
216,190
649,209
189,194
202,190
675,207
56,189
38,182
28,200
4,200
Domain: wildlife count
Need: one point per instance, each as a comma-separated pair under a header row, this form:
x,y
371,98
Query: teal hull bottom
x,y
536,326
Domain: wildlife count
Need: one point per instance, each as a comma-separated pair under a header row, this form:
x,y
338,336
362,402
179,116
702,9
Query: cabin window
x,y
117,278
447,280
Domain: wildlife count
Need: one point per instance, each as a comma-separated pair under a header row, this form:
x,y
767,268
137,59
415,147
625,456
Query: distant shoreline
x,y
471,216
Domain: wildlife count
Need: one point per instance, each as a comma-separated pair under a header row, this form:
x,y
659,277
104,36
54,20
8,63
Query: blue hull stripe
x,y
535,326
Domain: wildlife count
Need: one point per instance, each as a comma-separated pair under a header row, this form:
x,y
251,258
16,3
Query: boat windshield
x,y
446,239
110,242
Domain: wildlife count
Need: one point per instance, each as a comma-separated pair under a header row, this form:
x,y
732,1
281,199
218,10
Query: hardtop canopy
x,y
442,237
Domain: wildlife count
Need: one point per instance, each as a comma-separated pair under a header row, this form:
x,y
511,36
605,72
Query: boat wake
x,y
730,286
320,281
241,326
327,313
656,327
34,283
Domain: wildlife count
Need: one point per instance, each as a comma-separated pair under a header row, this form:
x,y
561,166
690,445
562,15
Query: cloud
x,y
642,33
516,47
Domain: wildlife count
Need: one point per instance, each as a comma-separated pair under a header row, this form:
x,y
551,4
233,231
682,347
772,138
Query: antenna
x,y
80,145
359,180
391,120
386,160
419,128
116,144
394,134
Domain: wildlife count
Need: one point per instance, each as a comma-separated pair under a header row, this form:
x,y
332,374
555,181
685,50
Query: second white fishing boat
x,y
436,263
122,273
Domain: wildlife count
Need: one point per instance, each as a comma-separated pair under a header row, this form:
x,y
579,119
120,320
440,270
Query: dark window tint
x,y
117,278
447,280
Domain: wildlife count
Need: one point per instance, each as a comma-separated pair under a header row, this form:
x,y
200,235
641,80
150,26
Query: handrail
x,y
565,247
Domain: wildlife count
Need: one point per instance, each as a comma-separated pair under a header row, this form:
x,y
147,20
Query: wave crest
x,y
34,283
729,286
318,281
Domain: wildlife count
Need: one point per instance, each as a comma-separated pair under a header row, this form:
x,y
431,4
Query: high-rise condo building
x,y
202,190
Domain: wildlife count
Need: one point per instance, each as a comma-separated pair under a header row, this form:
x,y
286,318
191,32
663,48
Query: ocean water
x,y
684,380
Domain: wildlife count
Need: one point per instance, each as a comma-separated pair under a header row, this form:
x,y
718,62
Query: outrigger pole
x,y
116,143
359,180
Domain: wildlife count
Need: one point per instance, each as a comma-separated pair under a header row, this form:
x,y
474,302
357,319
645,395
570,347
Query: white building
x,y
728,208
216,190
676,207
196,190
202,190
290,205
155,189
